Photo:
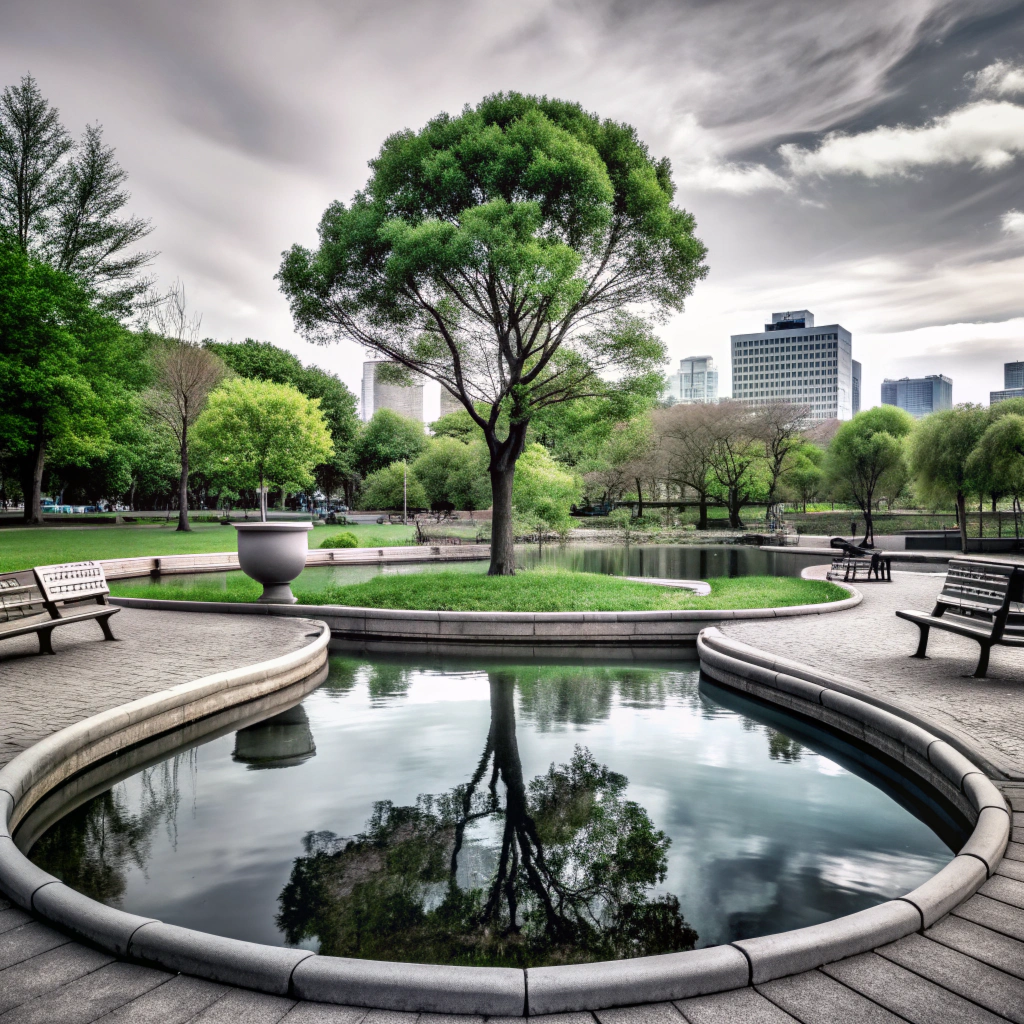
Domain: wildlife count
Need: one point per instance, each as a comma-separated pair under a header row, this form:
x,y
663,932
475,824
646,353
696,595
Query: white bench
x,y
41,599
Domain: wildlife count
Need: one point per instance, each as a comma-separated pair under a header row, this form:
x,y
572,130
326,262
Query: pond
x,y
504,814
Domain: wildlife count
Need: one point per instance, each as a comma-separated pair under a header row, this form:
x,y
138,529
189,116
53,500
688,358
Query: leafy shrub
x,y
345,539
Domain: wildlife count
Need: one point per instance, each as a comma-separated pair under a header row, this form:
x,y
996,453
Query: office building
x,y
405,400
919,395
449,403
696,381
856,387
1013,384
793,361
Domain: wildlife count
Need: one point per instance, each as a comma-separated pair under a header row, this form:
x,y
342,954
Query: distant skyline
x,y
863,161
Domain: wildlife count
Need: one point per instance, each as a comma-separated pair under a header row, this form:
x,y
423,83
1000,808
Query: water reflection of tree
x,y
93,847
567,879
782,747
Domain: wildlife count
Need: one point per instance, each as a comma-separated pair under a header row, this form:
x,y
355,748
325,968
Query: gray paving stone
x,y
993,914
1014,851
953,970
992,948
176,1002
13,918
916,999
451,1018
548,1018
815,998
389,1017
242,1006
1011,869
48,971
649,1013
742,1004
5,904
27,941
324,1013
89,998
1004,889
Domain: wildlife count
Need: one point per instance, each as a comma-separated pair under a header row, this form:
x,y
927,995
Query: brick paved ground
x,y
872,648
969,967
40,694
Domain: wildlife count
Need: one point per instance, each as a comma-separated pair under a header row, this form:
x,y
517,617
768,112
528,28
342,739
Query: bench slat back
x,y
984,588
72,581
20,599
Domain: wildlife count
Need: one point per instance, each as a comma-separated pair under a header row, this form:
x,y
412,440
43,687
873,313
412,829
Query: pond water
x,y
505,814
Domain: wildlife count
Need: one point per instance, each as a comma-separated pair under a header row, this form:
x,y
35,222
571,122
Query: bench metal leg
x,y
923,643
982,669
45,646
105,626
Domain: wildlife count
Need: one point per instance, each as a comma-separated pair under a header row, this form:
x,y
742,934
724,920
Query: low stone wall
x,y
607,635
225,561
29,778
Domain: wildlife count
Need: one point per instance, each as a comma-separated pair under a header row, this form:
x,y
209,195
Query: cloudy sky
x,y
861,160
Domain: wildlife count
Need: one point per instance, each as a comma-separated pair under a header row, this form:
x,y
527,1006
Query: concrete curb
x,y
492,991
617,635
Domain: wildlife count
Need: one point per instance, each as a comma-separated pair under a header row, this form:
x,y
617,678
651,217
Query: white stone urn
x,y
273,554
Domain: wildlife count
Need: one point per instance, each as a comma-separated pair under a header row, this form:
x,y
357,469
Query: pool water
x,y
506,814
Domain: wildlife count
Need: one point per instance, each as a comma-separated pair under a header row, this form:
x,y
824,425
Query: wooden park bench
x,y
977,601
39,600
855,560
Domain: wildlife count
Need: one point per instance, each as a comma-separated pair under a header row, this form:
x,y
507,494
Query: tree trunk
x,y
702,512
34,494
639,498
503,555
961,517
869,527
735,522
183,524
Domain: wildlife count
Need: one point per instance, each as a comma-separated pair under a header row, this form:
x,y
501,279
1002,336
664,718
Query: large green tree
x,y
940,457
65,370
863,452
519,254
63,201
388,438
262,360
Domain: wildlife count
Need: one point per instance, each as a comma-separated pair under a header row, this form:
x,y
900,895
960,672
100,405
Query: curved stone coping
x,y
658,634
699,587
499,991
937,763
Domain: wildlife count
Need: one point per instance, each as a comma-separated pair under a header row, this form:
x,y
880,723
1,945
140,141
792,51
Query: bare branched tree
x,y
778,425
686,447
185,373
736,451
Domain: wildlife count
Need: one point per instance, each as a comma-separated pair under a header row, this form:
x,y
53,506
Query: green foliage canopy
x,y
383,489
388,438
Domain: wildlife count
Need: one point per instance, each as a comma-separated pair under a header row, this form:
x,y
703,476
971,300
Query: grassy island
x,y
538,590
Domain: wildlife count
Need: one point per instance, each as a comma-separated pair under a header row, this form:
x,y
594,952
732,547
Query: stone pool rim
x,y
501,991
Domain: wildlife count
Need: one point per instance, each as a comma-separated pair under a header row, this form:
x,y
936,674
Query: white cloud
x,y
985,134
999,79
1013,222
735,178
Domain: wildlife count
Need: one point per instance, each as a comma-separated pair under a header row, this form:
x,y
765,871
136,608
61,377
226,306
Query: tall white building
x,y
696,381
793,361
405,400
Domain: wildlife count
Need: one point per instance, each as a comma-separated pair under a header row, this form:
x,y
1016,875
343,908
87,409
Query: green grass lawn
x,y
539,590
25,547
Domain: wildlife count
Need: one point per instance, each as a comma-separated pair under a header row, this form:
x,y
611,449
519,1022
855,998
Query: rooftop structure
x,y
696,381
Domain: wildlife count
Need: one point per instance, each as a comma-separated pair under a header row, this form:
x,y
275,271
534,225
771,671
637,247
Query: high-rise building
x,y
793,361
449,403
406,400
1013,384
856,387
919,395
696,381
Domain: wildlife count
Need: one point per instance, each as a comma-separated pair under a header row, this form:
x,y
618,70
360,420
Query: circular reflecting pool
x,y
501,814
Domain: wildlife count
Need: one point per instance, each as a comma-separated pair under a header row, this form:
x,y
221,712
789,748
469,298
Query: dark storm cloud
x,y
239,121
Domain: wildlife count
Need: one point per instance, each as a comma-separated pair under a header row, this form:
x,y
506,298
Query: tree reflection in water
x,y
93,847
566,879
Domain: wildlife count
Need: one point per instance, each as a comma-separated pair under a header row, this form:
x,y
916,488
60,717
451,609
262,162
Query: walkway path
x,y
969,967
